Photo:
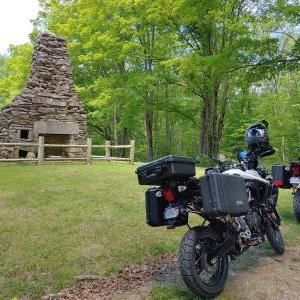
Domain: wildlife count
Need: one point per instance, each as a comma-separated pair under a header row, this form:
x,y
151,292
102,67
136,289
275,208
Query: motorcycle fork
x,y
272,217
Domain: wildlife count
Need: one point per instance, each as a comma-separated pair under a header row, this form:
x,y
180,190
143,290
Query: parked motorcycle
x,y
288,177
237,202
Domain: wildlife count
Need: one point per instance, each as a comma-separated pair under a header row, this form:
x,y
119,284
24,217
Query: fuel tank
x,y
248,174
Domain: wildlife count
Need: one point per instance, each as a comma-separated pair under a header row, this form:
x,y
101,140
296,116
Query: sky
x,y
15,25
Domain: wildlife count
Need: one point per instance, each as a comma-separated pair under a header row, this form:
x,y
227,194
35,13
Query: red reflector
x,y
169,195
296,170
278,182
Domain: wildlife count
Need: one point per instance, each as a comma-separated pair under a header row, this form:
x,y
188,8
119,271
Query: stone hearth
x,y
47,106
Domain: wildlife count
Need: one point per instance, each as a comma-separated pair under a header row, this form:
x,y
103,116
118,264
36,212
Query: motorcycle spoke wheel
x,y
207,269
204,276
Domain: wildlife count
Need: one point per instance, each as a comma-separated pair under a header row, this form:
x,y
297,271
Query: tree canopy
x,y
184,77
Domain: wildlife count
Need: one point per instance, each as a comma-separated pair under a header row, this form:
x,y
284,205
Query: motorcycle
x,y
237,202
288,177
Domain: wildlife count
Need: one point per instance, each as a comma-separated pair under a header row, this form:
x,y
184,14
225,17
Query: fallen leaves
x,y
129,278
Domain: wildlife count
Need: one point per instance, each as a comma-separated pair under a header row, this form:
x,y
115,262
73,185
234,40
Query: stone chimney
x,y
48,105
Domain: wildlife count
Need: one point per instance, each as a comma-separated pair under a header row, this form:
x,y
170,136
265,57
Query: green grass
x,y
58,221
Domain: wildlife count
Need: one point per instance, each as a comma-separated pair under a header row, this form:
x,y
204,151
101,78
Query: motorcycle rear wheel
x,y
204,277
296,205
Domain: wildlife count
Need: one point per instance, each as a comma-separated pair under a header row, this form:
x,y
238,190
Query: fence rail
x,y
88,146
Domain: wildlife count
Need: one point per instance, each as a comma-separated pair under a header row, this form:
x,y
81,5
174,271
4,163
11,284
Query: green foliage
x,y
278,102
183,77
14,69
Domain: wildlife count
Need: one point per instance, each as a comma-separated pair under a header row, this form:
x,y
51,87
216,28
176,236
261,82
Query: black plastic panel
x,y
155,208
156,205
223,194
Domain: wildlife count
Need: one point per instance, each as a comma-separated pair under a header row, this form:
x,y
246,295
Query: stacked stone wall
x,y
49,97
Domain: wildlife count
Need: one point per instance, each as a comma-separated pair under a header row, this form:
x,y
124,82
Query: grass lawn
x,y
62,220
58,221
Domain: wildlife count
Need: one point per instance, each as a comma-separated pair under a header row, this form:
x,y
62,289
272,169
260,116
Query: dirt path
x,y
270,277
255,276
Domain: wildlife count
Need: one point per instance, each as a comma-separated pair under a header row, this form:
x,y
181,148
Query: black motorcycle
x,y
236,201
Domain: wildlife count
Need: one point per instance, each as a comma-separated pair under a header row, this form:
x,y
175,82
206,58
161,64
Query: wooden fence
x,y
88,146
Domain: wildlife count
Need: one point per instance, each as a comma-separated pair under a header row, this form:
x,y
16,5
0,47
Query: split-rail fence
x,y
89,157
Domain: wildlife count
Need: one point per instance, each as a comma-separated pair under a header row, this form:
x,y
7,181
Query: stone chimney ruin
x,y
48,105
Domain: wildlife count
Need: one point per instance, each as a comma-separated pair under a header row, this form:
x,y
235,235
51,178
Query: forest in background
x,y
184,77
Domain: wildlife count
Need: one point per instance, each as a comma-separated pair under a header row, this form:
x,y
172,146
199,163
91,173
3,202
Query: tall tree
x,y
173,74
118,55
222,46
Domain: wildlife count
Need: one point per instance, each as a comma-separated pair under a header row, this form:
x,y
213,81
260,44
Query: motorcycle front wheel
x,y
275,238
205,277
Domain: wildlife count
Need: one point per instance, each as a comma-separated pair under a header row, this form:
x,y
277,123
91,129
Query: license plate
x,y
171,212
295,180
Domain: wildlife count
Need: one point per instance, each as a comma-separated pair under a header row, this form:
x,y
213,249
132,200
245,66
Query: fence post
x,y
89,151
107,150
41,149
132,146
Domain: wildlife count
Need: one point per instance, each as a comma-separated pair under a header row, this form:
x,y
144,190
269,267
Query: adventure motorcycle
x,y
288,177
237,202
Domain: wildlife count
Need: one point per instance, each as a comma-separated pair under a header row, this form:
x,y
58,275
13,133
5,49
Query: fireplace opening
x,y
23,153
24,134
60,139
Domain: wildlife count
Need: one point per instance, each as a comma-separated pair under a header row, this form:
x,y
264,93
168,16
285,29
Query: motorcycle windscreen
x,y
223,194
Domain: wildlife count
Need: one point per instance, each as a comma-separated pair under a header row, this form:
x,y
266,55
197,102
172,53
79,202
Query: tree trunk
x,y
122,141
115,123
168,133
283,149
212,118
149,133
203,130
221,117
156,134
